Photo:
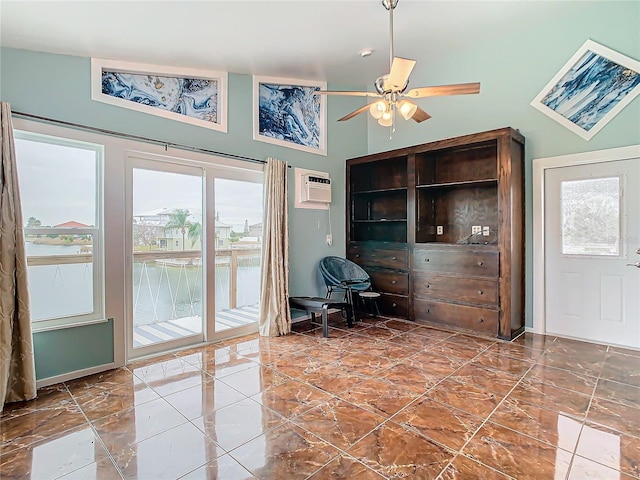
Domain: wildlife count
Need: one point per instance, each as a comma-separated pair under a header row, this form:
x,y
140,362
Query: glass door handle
x,y
637,264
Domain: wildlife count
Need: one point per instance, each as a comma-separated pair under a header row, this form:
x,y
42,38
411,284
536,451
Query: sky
x,y
57,185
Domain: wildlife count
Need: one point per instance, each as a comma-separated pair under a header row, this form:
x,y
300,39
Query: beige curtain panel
x,y
17,366
275,317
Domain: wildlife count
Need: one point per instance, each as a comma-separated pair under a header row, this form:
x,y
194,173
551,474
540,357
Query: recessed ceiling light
x,y
366,52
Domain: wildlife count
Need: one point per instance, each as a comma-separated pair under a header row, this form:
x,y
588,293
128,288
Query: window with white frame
x,y
61,194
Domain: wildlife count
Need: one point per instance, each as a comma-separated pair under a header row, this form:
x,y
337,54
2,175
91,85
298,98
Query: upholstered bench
x,y
321,305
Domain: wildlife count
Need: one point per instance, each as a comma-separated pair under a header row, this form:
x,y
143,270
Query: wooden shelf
x,y
490,182
378,191
381,220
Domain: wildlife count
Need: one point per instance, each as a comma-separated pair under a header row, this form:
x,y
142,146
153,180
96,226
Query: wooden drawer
x,y
394,305
460,261
390,282
370,256
464,289
472,318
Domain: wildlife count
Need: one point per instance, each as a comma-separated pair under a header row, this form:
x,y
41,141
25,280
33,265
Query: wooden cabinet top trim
x,y
463,140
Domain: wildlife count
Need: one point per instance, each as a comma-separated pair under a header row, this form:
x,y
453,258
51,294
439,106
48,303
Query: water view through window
x,y
60,187
168,298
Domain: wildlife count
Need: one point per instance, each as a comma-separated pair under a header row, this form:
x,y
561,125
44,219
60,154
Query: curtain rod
x,y
136,137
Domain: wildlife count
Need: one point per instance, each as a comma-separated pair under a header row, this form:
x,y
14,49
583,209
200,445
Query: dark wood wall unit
x,y
410,214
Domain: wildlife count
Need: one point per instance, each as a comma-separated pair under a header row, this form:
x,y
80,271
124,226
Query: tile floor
x,y
386,399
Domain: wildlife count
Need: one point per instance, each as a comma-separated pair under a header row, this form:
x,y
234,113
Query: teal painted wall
x,y
512,71
58,86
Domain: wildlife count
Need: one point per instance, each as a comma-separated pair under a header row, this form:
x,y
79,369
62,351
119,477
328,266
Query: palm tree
x,y
178,221
194,233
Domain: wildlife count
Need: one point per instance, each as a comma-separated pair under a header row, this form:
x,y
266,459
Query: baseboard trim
x,y
65,377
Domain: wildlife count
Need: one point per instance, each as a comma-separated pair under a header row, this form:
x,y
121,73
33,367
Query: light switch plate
x,y
476,229
485,231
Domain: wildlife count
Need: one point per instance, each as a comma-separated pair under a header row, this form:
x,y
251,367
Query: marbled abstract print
x,y
290,113
591,89
193,97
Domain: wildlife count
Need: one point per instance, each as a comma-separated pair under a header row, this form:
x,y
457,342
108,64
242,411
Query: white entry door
x,y
592,234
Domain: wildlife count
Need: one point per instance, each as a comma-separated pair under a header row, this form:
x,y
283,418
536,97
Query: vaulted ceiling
x,y
317,40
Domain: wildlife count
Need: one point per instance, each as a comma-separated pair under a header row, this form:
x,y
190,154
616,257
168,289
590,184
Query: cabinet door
x,y
463,289
458,261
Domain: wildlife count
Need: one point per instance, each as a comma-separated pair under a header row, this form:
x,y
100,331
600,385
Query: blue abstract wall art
x,y
289,115
187,95
192,97
591,89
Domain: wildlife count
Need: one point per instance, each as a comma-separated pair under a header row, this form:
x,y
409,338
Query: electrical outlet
x,y
439,230
329,239
476,229
485,231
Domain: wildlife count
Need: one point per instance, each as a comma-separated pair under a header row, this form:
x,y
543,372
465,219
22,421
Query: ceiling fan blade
x,y
442,90
420,116
400,70
354,94
355,112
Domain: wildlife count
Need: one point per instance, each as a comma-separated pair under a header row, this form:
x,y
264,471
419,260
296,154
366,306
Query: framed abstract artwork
x,y
287,113
591,89
197,97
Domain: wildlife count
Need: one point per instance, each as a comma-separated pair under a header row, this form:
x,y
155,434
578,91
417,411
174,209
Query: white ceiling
x,y
316,40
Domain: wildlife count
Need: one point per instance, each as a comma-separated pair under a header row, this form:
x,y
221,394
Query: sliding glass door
x,y
194,237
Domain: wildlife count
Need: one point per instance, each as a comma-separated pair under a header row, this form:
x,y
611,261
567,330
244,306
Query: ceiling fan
x,y
391,89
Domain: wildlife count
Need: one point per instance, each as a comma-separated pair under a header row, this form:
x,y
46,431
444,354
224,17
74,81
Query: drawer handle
x,y
480,263
479,292
426,310
373,254
393,282
394,304
394,258
426,259
357,255
426,285
481,320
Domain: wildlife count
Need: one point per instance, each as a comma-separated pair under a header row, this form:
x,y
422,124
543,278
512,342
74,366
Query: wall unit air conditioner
x,y
316,189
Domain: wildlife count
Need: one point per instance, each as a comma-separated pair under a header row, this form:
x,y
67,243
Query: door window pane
x,y
238,230
591,216
167,256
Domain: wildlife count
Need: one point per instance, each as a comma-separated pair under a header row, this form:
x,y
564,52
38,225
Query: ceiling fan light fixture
x,y
407,109
386,120
390,89
377,109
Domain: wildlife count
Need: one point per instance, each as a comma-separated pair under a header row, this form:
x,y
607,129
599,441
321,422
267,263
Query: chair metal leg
x,y
349,312
350,302
325,321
